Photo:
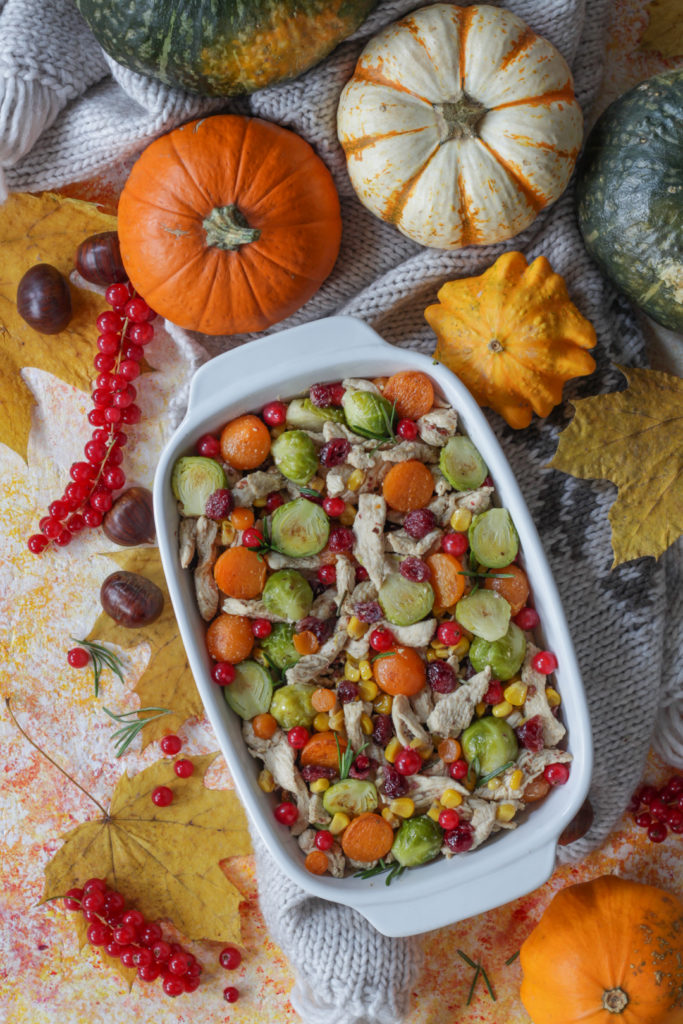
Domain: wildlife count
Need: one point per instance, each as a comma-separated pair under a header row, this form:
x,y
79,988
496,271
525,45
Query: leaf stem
x,y
473,985
511,959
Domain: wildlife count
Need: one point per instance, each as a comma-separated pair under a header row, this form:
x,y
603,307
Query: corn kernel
x,y
493,783
434,812
480,709
259,502
356,629
336,721
462,647
366,724
338,823
515,693
403,807
321,722
516,778
461,519
348,515
351,672
276,431
355,480
553,697
257,655
435,643
432,656
382,704
366,673
390,818
266,781
505,812
392,748
451,798
228,532
502,709
316,483
367,688
319,785
423,748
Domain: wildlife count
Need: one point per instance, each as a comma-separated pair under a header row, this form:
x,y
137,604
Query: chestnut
x,y
131,600
43,299
98,259
579,825
130,520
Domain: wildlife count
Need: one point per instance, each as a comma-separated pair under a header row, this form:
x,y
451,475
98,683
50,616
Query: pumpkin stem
x,y
495,345
227,228
458,119
614,1000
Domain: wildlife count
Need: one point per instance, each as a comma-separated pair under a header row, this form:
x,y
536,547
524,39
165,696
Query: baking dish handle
x,y
393,916
332,334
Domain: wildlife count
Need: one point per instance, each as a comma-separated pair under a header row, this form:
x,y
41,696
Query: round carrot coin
x,y
447,580
401,670
511,583
240,573
265,726
230,638
316,862
368,837
321,750
245,442
242,518
413,393
408,485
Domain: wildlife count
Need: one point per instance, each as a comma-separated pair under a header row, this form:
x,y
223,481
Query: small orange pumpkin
x,y
513,336
609,951
229,224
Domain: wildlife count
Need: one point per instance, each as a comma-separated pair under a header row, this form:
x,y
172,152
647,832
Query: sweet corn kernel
x,y
493,783
451,798
356,629
228,532
435,643
259,502
516,779
502,709
316,483
390,818
392,748
366,673
461,519
403,807
423,748
351,672
338,823
553,697
367,688
434,812
480,709
515,693
266,781
336,721
382,704
348,515
355,480
462,647
276,431
321,722
319,785
366,724
432,656
505,812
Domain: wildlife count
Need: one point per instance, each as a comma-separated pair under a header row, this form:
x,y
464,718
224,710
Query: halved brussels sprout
x,y
193,481
291,706
295,456
299,528
505,656
251,691
352,795
485,613
303,415
493,538
288,595
417,841
368,414
492,741
403,601
461,464
278,646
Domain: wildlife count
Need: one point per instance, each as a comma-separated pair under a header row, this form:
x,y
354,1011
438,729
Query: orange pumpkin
x,y
229,224
608,951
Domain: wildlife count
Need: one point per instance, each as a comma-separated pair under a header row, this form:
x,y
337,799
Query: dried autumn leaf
x,y
664,32
164,860
43,229
635,439
129,974
167,681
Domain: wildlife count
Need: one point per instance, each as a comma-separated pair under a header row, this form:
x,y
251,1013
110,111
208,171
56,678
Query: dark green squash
x,y
630,196
220,47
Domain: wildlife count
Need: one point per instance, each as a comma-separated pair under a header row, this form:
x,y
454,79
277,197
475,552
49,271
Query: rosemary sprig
x,y
280,678
101,657
394,870
491,775
124,736
309,492
473,773
384,654
488,983
478,970
473,985
486,575
511,959
347,758
466,958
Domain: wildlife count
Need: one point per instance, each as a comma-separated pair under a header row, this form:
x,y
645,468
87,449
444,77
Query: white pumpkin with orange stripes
x,y
459,125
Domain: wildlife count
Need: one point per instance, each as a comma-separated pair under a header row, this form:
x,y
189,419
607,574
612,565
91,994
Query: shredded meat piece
x,y
279,757
346,577
368,527
403,544
423,704
454,713
437,426
353,712
317,815
423,790
406,723
311,665
360,384
252,609
256,485
475,501
187,536
205,585
537,703
361,593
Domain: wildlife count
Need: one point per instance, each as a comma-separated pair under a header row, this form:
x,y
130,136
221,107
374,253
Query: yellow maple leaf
x,y
664,32
164,860
129,974
43,229
167,681
635,439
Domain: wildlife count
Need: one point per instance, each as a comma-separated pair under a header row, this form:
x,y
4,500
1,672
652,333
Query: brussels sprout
x,y
403,601
492,741
303,415
291,706
417,841
461,464
367,414
295,456
350,795
288,595
251,691
485,613
278,646
493,538
299,528
505,656
193,481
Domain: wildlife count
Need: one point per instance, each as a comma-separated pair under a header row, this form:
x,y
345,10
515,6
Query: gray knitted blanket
x,y
67,111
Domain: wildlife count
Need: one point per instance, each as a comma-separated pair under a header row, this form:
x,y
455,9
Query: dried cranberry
x,y
494,694
347,691
394,784
341,539
324,395
369,611
441,677
467,669
459,839
414,569
419,523
321,628
313,772
361,574
383,729
334,452
530,733
219,505
361,767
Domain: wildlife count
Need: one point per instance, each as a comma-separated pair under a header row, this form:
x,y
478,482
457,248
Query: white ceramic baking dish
x,y
511,863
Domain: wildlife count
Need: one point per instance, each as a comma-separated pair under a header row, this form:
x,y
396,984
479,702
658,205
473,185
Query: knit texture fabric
x,y
67,111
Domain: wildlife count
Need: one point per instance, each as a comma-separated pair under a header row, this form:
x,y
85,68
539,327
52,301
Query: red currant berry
x,y
37,544
77,491
162,796
95,452
81,472
109,322
112,415
458,769
544,662
133,414
274,414
92,518
643,820
407,761
134,352
52,529
460,839
126,956
137,310
117,295
114,478
140,334
102,501
58,510
104,363
449,633
286,813
144,958
98,934
382,639
177,964
172,985
183,769
105,381
223,673
230,958
113,903
191,984
124,934
556,774
273,501
657,832
327,574
298,737
208,446
324,840
658,809
171,745
648,794
252,538
77,657
455,544
114,949
149,972
341,539
123,399
129,369
673,788
407,429
72,899
334,506
63,538
93,899
95,883
449,819
674,819
261,628
161,951
133,918
96,418
231,994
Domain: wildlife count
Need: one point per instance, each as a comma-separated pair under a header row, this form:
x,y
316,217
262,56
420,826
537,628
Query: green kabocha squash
x,y
219,47
630,196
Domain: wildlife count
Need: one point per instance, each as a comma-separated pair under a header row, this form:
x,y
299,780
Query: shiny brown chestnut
x,y
43,299
98,259
131,600
130,520
579,825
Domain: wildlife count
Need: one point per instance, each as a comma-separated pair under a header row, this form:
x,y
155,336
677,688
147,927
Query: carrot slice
x,y
230,638
265,726
323,699
447,582
368,837
321,750
242,518
316,862
401,670
305,642
408,485
240,573
413,393
245,442
514,589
